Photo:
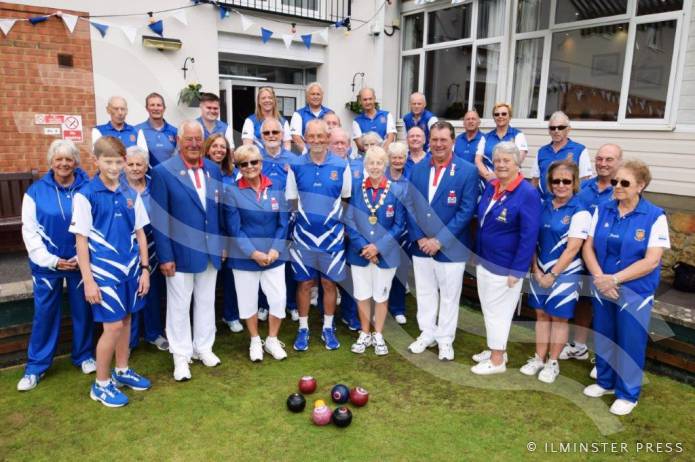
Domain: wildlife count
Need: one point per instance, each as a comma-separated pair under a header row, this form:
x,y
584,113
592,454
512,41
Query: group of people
x,y
179,211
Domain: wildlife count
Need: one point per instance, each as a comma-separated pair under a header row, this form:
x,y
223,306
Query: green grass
x,y
419,408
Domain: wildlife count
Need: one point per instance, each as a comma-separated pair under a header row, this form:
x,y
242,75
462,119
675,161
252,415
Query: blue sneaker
x,y
301,342
354,325
328,337
131,379
109,396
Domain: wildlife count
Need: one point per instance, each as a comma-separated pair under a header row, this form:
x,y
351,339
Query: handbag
x,y
684,279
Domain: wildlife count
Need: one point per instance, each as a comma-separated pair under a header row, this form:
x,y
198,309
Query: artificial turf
x,y
419,409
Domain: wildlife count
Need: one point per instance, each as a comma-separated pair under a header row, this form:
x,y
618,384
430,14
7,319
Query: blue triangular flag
x,y
157,27
266,34
102,28
37,19
224,12
306,38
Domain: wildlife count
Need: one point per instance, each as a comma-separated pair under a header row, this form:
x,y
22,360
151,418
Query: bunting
x,y
102,28
6,25
306,38
70,21
287,38
157,27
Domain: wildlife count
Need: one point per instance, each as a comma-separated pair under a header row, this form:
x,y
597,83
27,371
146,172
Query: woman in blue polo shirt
x,y
266,107
508,221
557,268
502,114
627,238
375,220
256,217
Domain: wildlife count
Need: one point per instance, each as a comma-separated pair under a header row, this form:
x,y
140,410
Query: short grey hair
x,y
270,120
559,115
398,148
376,152
312,85
65,147
374,136
137,151
322,125
190,123
508,147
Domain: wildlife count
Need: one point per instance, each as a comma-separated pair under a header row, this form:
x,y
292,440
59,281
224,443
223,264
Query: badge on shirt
x,y
502,217
566,220
171,138
132,137
453,169
639,235
334,175
356,173
389,211
129,203
382,119
451,199
182,173
274,206
286,167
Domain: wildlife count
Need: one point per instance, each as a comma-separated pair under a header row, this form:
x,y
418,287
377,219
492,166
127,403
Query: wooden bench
x,y
12,189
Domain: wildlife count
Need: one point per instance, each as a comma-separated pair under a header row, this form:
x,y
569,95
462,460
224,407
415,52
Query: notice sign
x,y
48,119
72,128
70,125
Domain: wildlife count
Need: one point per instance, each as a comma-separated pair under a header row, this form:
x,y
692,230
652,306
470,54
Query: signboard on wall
x,y
70,125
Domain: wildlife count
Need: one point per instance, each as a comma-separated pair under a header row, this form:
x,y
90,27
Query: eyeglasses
x,y
270,132
565,181
250,162
557,128
500,114
623,183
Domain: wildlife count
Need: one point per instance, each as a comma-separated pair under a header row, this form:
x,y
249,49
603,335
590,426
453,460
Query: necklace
x,y
372,209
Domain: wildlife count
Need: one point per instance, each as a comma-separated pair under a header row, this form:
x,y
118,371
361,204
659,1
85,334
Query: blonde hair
x,y
502,104
259,111
247,152
376,153
109,146
640,170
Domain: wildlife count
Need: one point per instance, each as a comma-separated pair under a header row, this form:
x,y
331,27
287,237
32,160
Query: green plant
x,y
190,94
356,107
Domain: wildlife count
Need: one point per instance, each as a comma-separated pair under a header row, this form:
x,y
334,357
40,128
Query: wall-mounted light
x,y
161,43
184,68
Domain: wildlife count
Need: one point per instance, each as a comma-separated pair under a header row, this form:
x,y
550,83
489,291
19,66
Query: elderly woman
x,y
256,217
46,216
136,165
502,113
217,149
266,107
375,220
557,268
627,238
508,221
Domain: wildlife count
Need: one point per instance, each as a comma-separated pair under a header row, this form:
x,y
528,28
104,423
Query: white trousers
x,y
372,282
438,292
180,288
272,283
498,302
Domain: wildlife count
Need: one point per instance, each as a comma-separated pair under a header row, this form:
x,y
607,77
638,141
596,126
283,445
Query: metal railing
x,y
326,11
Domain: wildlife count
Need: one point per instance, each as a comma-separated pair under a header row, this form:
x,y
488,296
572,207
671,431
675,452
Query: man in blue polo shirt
x,y
467,142
158,135
419,116
561,148
210,118
372,120
316,185
117,108
314,109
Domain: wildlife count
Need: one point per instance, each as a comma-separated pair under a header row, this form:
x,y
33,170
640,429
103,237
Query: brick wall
x,y
32,82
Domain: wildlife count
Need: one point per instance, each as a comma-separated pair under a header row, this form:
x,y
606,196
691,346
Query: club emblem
x,y
129,203
132,137
389,211
274,206
566,220
451,199
502,217
639,235
334,175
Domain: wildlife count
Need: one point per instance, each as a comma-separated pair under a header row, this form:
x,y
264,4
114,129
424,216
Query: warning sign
x,y
72,127
48,119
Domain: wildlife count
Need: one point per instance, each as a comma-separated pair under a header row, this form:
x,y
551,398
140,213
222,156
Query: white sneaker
x,y
549,372
275,348
596,391
181,370
208,358
380,348
235,326
532,366
421,344
262,314
401,319
28,382
256,350
88,366
363,342
294,314
572,351
161,343
487,368
446,352
622,407
593,374
485,355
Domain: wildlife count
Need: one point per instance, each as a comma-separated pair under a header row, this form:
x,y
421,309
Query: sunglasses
x,y
565,181
623,183
500,114
250,162
557,128
271,132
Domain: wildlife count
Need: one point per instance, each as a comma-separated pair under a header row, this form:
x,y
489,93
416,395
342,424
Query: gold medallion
x,y
372,219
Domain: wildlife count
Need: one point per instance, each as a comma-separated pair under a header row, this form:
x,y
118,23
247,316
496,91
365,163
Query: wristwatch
x,y
145,267
553,274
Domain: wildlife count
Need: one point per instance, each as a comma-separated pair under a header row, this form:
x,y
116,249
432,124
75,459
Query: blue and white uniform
x,y
46,216
382,123
425,122
398,287
570,220
220,127
128,134
410,163
576,152
160,142
486,146
251,130
465,148
592,197
303,116
622,325
319,235
109,220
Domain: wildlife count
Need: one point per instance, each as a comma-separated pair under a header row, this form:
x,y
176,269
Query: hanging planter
x,y
356,107
190,95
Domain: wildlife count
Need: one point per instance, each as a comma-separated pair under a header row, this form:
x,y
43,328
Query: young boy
x,y
108,221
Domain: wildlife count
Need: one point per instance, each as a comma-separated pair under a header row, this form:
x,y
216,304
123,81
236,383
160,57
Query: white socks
x,y
328,321
304,322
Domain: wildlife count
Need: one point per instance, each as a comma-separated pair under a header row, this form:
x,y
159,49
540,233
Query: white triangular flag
x,y
130,33
70,21
6,25
323,33
181,16
245,23
287,38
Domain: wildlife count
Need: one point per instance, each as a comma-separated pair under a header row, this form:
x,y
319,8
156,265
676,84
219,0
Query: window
x,y
449,24
410,80
275,74
447,77
528,63
569,11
